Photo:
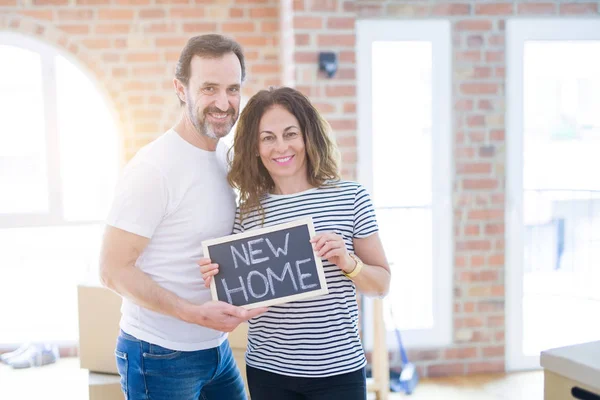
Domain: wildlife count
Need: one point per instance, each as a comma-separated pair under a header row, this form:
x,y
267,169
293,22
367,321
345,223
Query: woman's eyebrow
x,y
285,130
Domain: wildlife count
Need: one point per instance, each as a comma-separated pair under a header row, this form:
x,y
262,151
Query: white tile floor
x,y
65,381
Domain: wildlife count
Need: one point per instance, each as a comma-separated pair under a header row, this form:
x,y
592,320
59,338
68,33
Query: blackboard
x,y
266,266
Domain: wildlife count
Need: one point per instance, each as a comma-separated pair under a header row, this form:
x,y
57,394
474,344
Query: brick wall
x,y
328,25
131,46
478,100
478,92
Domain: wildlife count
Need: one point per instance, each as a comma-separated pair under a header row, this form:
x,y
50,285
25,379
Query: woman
x,y
285,167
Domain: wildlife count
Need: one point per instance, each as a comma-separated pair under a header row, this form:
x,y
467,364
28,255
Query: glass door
x,y
405,151
553,187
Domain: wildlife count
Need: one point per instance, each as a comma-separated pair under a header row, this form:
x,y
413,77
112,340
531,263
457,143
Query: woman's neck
x,y
291,185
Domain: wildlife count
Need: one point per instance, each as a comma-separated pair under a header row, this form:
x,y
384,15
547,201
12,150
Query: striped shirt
x,y
315,337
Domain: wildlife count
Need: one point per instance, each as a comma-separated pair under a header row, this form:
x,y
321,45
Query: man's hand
x,y
220,315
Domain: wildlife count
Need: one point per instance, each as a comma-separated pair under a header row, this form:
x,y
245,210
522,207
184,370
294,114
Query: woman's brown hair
x,y
249,175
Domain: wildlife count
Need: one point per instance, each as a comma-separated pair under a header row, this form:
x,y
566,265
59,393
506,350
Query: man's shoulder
x,y
158,143
157,153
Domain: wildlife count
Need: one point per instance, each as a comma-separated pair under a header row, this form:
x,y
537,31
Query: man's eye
x,y
208,89
234,90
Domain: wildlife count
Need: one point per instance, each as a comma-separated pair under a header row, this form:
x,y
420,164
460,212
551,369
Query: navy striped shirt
x,y
316,337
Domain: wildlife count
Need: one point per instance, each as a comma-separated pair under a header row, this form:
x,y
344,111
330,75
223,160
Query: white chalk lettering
x,y
228,291
265,282
276,251
301,276
257,252
244,257
286,269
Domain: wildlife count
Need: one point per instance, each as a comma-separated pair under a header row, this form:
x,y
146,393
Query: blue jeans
x,y
151,372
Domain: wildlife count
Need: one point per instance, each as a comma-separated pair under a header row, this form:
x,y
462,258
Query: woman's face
x,y
281,144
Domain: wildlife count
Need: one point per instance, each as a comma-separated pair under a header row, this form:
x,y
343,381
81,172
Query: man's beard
x,y
205,128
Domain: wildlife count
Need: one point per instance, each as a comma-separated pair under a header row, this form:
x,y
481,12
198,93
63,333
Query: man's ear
x,y
179,89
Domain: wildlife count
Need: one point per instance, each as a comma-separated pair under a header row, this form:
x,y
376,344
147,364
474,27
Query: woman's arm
x,y
373,278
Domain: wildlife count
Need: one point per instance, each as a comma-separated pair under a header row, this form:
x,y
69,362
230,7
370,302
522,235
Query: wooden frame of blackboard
x,y
257,232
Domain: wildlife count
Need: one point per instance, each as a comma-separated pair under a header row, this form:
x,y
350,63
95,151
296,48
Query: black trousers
x,y
265,385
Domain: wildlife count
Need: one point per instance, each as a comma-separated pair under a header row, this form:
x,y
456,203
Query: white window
x,y
59,158
404,160
552,186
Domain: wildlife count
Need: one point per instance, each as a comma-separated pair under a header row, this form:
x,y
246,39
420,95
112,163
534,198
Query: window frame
x,y
55,214
518,32
438,32
55,217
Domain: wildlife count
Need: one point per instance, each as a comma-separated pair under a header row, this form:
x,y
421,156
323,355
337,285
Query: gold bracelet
x,y
357,269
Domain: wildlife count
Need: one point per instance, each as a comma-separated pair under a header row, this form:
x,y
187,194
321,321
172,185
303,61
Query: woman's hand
x,y
331,246
208,270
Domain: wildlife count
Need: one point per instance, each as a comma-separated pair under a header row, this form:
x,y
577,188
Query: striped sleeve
x,y
365,222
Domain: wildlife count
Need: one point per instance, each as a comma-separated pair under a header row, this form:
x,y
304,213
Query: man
x,y
172,196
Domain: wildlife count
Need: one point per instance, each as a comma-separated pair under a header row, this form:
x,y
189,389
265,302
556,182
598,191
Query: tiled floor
x,y
65,381
516,386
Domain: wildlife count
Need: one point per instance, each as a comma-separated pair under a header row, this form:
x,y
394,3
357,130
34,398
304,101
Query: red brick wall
x,y
328,25
131,46
478,92
479,158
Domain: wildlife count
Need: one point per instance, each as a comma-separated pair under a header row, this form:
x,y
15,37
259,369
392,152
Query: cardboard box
x,y
572,372
238,339
99,316
104,387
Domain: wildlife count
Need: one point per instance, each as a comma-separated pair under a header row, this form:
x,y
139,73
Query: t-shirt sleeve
x,y
365,222
224,155
238,227
141,199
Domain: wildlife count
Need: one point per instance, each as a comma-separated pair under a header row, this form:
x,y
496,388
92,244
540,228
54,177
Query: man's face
x,y
213,94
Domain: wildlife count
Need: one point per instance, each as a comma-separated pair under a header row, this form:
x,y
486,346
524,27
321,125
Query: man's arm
x,y
121,249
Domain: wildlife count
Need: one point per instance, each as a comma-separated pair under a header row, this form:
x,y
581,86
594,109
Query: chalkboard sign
x,y
266,266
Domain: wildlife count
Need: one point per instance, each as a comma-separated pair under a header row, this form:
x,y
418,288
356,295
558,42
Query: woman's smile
x,y
286,160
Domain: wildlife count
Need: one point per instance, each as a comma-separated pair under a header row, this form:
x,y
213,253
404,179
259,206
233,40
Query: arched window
x,y
59,160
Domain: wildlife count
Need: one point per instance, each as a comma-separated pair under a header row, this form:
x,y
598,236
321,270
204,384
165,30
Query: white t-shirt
x,y
176,195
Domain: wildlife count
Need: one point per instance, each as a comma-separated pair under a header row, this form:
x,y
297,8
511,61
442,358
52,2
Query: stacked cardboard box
x,y
99,314
104,387
238,340
572,372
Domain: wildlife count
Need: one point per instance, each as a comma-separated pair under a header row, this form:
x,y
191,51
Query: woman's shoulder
x,y
342,184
